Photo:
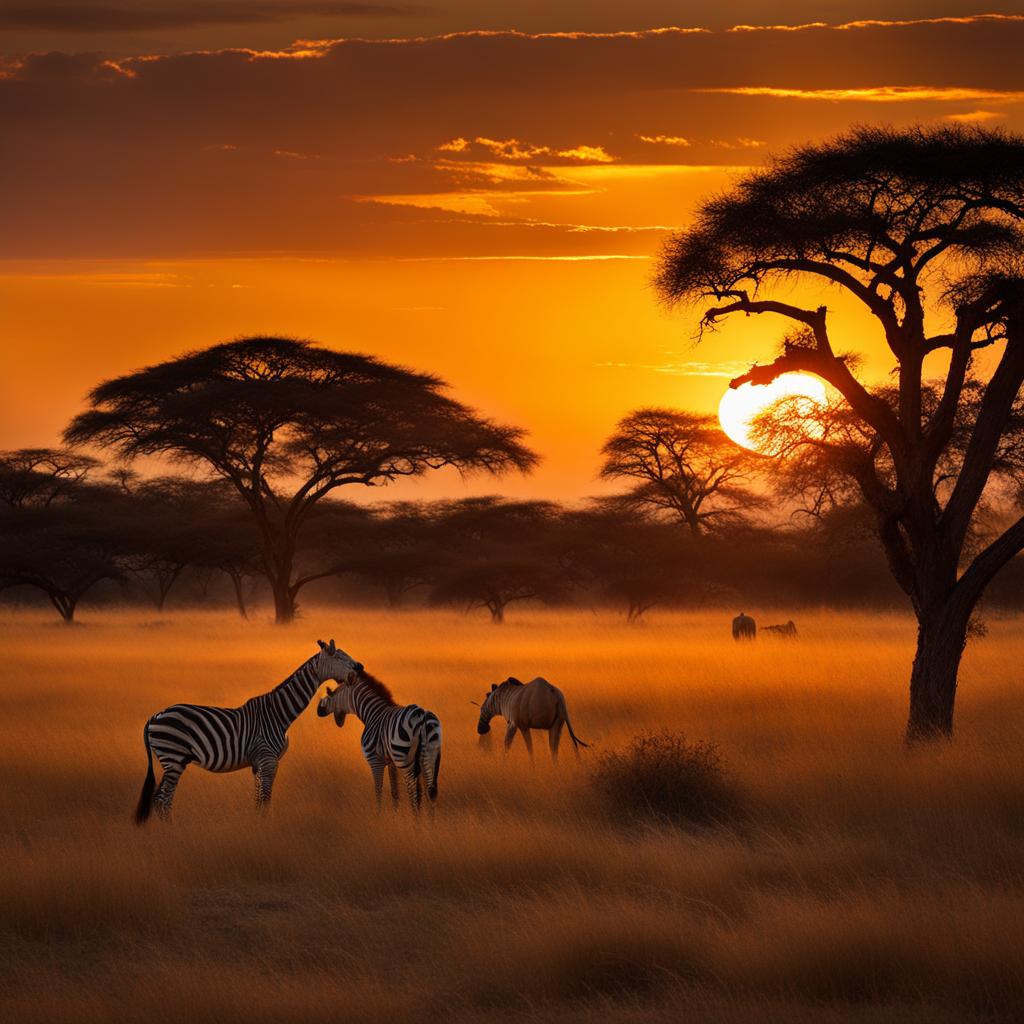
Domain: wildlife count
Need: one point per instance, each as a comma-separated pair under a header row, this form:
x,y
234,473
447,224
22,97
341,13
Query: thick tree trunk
x,y
941,638
284,601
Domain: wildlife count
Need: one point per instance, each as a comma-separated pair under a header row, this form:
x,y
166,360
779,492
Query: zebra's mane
x,y
377,688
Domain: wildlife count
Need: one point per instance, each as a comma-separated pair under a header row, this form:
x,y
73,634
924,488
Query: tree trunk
x,y
497,611
284,601
941,637
236,581
65,605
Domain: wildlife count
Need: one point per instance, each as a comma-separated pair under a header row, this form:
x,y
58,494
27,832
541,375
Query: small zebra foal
x,y
406,738
228,739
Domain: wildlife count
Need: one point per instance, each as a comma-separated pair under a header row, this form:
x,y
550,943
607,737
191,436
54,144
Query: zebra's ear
x,y
323,646
494,686
331,649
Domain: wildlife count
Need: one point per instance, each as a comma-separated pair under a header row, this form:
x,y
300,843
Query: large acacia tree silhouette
x,y
909,224
286,423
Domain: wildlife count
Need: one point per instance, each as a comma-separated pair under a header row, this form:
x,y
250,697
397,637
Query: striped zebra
x,y
228,739
403,738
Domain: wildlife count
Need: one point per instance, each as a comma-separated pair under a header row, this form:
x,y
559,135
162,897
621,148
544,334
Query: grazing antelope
x,y
526,706
744,627
406,739
786,631
228,739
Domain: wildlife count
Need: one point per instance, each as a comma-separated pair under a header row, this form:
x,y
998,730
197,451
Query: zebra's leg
x,y
412,784
265,770
528,740
377,771
554,738
510,735
393,779
164,795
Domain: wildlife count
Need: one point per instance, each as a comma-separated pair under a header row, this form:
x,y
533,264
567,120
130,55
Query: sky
x,y
475,189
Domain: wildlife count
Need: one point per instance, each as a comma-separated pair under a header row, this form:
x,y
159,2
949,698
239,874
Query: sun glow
x,y
740,406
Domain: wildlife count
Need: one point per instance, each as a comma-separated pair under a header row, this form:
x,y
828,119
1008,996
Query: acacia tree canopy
x,y
908,223
286,423
683,465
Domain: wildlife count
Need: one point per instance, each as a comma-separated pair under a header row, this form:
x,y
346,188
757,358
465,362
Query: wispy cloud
x,y
975,117
133,16
686,368
517,150
878,93
665,140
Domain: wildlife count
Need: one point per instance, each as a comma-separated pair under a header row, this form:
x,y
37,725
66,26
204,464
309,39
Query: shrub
x,y
660,776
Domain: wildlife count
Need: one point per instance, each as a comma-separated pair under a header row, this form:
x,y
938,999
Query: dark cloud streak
x,y
88,18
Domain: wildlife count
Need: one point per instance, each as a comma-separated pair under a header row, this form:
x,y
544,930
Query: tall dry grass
x,y
860,884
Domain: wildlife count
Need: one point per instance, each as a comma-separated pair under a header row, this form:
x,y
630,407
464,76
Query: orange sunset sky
x,y
471,188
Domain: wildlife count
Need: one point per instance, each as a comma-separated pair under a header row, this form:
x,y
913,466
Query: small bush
x,y
660,776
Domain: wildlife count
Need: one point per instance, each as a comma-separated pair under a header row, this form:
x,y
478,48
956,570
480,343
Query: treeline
x,y
71,529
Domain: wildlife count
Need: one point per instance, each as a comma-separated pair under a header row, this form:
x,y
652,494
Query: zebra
x,y
228,739
403,738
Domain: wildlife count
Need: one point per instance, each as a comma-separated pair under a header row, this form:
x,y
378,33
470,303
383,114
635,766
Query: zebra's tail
x,y
430,753
146,796
577,742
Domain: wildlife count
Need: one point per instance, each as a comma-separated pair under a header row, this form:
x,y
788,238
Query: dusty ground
x,y
864,884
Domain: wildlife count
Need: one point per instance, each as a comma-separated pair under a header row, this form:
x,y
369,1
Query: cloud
x,y
515,150
686,368
139,16
665,140
975,117
880,93
471,143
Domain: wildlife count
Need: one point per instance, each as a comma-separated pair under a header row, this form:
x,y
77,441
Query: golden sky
x,y
474,189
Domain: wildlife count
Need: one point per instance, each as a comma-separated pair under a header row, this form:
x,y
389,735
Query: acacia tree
x,y
683,465
59,533
907,223
286,423
498,552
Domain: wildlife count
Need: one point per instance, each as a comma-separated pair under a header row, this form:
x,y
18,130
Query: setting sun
x,y
740,406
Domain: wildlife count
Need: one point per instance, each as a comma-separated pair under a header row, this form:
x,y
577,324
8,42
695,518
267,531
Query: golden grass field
x,y
864,884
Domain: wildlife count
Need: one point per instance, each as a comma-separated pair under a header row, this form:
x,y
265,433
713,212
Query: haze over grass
x,y
861,885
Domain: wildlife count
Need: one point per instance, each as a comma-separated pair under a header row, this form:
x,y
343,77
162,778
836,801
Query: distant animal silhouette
x,y
744,627
402,738
228,739
526,706
786,631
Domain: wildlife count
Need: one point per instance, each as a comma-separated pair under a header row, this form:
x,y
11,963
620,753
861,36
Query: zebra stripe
x,y
228,739
406,739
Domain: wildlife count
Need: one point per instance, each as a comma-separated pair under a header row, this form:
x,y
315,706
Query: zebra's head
x,y
333,663
337,702
490,707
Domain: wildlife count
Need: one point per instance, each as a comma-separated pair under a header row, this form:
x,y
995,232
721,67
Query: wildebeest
x,y
525,706
744,627
786,631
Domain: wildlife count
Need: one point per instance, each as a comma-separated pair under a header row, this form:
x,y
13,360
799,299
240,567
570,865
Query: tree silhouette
x,y
683,465
498,552
286,423
59,533
904,222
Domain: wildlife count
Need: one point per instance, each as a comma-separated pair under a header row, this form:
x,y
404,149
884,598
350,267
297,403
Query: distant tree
x,y
59,533
39,476
399,552
900,221
682,465
631,558
498,552
286,423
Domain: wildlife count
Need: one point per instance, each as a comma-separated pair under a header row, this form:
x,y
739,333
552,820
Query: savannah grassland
x,y
860,883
